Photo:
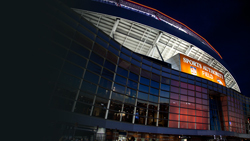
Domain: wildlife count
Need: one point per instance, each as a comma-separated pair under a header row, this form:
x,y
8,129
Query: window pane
x,y
144,80
103,92
164,94
120,79
122,71
91,77
131,92
116,96
88,87
72,69
109,65
76,59
79,49
154,91
143,88
174,96
153,98
118,88
174,89
154,84
165,87
132,84
124,64
96,58
173,124
133,76
105,83
107,74
93,67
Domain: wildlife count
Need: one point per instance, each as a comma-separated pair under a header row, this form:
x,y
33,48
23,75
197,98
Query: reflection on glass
x,y
132,84
116,96
144,81
154,91
131,92
122,71
143,88
165,87
142,95
164,94
91,77
82,108
103,92
118,88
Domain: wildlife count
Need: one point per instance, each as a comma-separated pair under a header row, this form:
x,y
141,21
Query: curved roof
x,y
143,33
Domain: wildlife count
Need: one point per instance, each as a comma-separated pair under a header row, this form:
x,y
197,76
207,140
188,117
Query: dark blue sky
x,y
225,24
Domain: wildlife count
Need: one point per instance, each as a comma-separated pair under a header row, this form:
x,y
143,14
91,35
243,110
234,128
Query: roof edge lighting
x,y
174,20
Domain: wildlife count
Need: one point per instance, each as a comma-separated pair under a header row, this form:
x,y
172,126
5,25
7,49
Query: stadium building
x,y
121,69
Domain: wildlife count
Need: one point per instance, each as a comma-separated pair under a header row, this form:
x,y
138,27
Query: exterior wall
x,y
95,76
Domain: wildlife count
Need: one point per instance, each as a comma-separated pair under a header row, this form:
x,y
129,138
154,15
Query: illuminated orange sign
x,y
194,67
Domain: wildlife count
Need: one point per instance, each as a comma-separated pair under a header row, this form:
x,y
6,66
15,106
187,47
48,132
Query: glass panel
x,y
164,94
155,77
107,74
93,67
79,49
82,108
122,71
146,67
109,65
153,98
129,100
120,79
174,96
72,69
99,50
183,98
125,57
174,109
88,87
105,83
133,61
143,88
103,92
145,73
112,57
96,58
144,80
143,96
137,57
69,80
133,76
184,91
116,96
132,84
135,69
76,59
165,87
118,88
154,84
131,92
124,64
191,87
91,77
154,91
183,111
174,102
174,89
165,80
173,124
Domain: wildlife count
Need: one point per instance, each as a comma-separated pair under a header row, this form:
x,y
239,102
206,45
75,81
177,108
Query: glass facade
x,y
96,76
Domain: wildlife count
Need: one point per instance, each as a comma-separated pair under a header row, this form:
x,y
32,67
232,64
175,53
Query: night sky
x,y
225,24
